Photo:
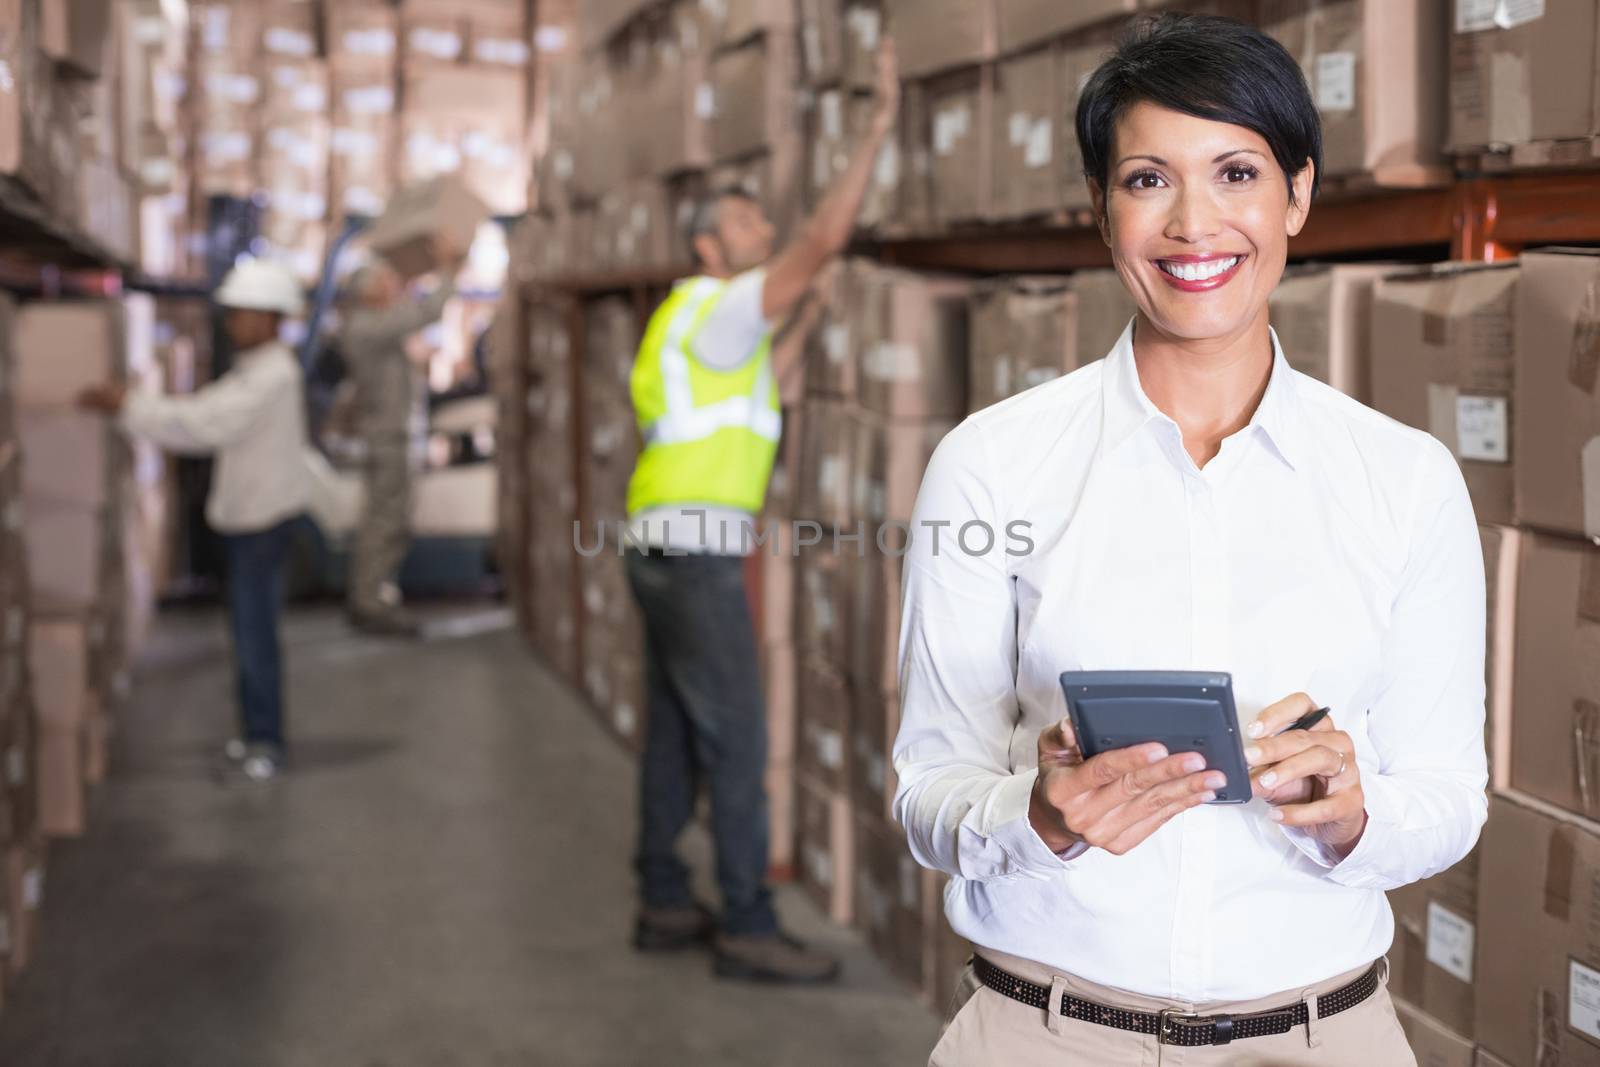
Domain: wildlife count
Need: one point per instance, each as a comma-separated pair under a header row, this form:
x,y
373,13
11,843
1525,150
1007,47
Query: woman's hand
x,y
1309,776
1116,799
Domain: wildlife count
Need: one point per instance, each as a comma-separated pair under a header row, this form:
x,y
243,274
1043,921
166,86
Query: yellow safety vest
x,y
710,436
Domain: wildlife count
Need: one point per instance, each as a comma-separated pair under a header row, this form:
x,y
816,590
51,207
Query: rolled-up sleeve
x,y
1425,771
962,803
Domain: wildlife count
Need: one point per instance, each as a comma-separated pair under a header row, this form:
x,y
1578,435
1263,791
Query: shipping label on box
x,y
1027,174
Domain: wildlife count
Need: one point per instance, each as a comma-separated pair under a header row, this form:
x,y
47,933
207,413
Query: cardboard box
x,y
62,801
914,362
734,22
69,457
951,954
1022,23
1484,1058
1526,76
833,359
960,111
296,90
890,462
289,28
1555,728
1435,1045
498,35
1024,332
1027,176
1433,959
58,663
360,30
821,42
222,26
447,128
782,486
432,32
418,215
1377,75
754,97
826,464
895,900
61,347
1323,318
23,897
1557,453
826,847
823,604
827,710
1104,309
1442,348
681,101
935,35
875,665
1539,959
872,781
21,151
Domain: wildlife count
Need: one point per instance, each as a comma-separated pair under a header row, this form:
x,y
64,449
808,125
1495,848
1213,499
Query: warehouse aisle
x,y
443,881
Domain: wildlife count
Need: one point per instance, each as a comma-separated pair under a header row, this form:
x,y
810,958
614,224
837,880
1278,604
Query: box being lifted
x,y
405,233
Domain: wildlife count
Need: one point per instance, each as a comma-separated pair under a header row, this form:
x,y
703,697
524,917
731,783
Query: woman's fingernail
x,y
1207,797
1277,816
1254,729
1269,780
1252,753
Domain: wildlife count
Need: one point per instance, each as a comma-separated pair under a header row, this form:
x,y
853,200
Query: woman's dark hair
x,y
1212,68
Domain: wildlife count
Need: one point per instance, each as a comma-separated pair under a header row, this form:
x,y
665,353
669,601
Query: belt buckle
x,y
1170,1018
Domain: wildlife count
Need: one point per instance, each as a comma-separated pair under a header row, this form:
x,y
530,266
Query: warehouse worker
x,y
704,390
253,419
387,383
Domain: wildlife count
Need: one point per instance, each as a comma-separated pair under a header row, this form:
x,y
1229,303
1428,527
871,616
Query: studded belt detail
x,y
1173,1027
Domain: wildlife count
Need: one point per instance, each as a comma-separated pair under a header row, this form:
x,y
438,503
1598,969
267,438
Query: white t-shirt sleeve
x,y
734,329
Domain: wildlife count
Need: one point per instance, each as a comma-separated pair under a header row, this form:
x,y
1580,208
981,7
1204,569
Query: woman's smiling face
x,y
1198,216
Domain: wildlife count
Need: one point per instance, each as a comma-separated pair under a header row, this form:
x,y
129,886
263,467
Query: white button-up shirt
x,y
1326,549
253,419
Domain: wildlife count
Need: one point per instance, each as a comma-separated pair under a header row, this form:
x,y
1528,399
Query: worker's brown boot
x,y
776,958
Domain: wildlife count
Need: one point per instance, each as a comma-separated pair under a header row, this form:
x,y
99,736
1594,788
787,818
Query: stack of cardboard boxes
x,y
88,502
324,110
21,843
613,640
88,117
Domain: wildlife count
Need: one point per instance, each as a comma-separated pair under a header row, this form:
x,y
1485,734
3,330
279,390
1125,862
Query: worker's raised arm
x,y
825,234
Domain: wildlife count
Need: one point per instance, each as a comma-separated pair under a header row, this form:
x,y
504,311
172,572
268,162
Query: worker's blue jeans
x,y
707,721
255,600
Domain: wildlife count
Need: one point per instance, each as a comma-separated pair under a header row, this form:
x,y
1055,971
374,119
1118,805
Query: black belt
x,y
1174,1027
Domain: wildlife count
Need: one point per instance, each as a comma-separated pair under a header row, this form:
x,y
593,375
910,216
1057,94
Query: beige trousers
x,y
985,1028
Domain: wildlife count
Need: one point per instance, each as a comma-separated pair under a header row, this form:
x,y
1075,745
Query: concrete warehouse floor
x,y
442,881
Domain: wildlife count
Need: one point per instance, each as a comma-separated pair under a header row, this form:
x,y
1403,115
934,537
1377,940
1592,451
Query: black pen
x,y
1307,721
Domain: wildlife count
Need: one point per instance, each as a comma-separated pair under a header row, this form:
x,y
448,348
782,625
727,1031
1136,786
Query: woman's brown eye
x,y
1240,174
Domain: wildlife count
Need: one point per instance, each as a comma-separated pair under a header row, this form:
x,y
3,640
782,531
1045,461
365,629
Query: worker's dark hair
x,y
703,220
1210,67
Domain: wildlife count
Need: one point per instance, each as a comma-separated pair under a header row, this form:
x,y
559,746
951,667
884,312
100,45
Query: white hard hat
x,y
261,285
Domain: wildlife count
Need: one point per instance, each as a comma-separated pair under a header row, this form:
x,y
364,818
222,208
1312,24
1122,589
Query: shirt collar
x,y
1128,409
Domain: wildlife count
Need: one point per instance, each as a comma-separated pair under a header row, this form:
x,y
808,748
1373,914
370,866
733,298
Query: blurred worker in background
x,y
705,394
253,419
378,320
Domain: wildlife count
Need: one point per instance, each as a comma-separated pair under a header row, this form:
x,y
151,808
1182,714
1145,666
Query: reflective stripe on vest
x,y
683,421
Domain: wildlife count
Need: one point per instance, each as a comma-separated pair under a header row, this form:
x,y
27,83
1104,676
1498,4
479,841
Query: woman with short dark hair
x,y
1191,503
